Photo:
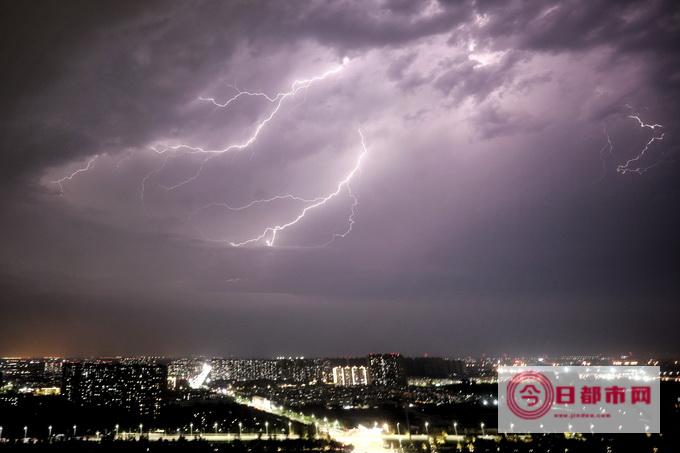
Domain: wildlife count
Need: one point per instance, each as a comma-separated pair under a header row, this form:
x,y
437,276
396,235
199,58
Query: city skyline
x,y
335,179
378,403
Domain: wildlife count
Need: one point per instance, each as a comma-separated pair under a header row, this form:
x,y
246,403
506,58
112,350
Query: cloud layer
x,y
487,202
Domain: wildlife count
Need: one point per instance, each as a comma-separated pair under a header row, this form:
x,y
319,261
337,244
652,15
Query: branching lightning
x,y
277,100
632,164
69,177
269,234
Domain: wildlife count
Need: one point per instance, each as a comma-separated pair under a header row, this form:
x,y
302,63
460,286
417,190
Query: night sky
x,y
490,212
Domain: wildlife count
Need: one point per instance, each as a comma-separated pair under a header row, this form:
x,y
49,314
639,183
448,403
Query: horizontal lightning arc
x,y
254,203
643,124
239,94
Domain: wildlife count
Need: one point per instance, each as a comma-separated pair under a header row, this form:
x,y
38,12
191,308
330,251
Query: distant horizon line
x,y
633,356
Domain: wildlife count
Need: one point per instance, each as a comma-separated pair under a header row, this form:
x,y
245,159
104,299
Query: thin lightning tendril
x,y
630,166
142,188
609,147
254,203
69,177
350,219
125,158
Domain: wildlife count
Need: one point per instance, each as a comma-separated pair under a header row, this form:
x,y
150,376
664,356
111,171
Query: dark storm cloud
x,y
629,27
483,202
465,78
124,67
574,25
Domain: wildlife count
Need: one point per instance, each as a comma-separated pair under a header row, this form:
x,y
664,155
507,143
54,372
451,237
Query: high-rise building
x,y
387,370
289,369
350,375
244,369
135,388
23,372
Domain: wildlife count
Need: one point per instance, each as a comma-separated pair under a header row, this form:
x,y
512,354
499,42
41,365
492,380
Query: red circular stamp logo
x,y
530,395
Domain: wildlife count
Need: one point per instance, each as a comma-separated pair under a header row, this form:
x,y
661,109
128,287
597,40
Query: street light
x,y
140,429
290,426
74,430
0,432
266,427
240,429
215,427
482,425
191,428
455,427
427,428
49,432
399,436
117,427
25,433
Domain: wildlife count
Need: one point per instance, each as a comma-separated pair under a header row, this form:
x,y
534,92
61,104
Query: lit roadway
x,y
363,439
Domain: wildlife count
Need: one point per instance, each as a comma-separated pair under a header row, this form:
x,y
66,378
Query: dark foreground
x,y
510,444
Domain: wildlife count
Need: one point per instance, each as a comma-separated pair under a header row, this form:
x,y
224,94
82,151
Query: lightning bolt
x,y
255,203
60,182
239,94
609,148
269,234
350,219
128,156
142,188
631,165
277,100
643,124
